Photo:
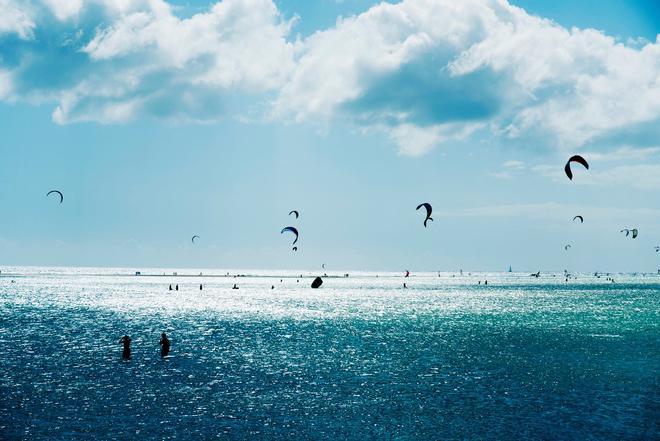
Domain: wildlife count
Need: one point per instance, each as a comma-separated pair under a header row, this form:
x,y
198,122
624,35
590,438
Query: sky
x,y
163,120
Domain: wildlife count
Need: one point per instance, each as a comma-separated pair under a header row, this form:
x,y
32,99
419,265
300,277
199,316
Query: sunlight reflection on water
x,y
360,358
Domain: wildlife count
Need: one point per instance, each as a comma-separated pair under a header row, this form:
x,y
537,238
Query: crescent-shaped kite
x,y
193,238
294,212
56,192
429,210
579,217
293,230
575,158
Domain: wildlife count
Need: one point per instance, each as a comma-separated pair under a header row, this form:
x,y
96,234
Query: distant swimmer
x,y
126,354
234,287
164,345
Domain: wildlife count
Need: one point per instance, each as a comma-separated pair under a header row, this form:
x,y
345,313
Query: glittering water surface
x,y
360,358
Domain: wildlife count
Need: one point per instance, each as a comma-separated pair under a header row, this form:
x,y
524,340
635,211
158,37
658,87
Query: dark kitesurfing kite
x,y
576,158
294,249
657,249
293,230
429,210
579,217
567,247
294,212
57,192
323,266
193,238
634,232
407,273
317,282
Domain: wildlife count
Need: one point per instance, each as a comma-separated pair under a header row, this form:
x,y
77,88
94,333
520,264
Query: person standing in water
x,y
126,354
164,345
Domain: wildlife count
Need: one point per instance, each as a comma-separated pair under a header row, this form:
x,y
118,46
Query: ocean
x,y
360,358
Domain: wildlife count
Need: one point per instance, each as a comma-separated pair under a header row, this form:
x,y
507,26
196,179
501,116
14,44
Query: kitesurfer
x,y
126,341
234,287
164,345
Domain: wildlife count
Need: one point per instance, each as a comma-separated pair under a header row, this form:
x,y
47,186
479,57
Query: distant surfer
x,y
126,354
234,287
200,286
485,282
164,345
170,287
404,285
177,287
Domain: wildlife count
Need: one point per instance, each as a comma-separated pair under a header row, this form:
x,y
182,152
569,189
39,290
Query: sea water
x,y
360,358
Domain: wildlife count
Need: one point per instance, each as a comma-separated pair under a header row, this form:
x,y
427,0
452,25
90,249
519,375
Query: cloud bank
x,y
426,72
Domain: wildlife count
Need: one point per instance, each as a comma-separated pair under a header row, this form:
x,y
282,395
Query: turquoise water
x,y
360,358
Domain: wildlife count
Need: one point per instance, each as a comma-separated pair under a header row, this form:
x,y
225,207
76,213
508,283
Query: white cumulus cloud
x,y
426,72
432,63
15,18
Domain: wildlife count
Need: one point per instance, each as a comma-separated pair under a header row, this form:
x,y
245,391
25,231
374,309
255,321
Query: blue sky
x,y
159,121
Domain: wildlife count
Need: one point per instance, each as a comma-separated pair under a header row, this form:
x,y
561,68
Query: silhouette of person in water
x,y
234,287
200,286
404,285
177,287
170,287
164,345
126,354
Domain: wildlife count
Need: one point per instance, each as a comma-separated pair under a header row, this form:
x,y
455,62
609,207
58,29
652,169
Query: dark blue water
x,y
359,360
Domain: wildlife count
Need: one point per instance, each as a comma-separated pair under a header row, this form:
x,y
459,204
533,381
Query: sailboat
x,y
510,269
